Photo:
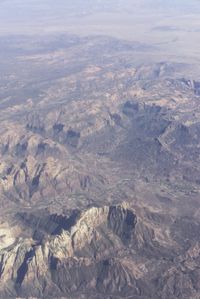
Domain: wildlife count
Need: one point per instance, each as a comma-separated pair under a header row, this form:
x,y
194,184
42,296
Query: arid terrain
x,y
99,172
99,149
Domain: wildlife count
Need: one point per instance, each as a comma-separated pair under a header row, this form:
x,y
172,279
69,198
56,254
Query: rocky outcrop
x,y
67,259
101,251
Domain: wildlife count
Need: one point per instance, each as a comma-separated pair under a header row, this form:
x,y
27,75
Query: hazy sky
x,y
32,15
171,25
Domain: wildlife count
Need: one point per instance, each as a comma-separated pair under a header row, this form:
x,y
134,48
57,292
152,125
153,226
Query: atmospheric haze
x,y
172,26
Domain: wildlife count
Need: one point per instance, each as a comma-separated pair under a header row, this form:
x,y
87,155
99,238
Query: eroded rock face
x,y
122,222
67,259
106,251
